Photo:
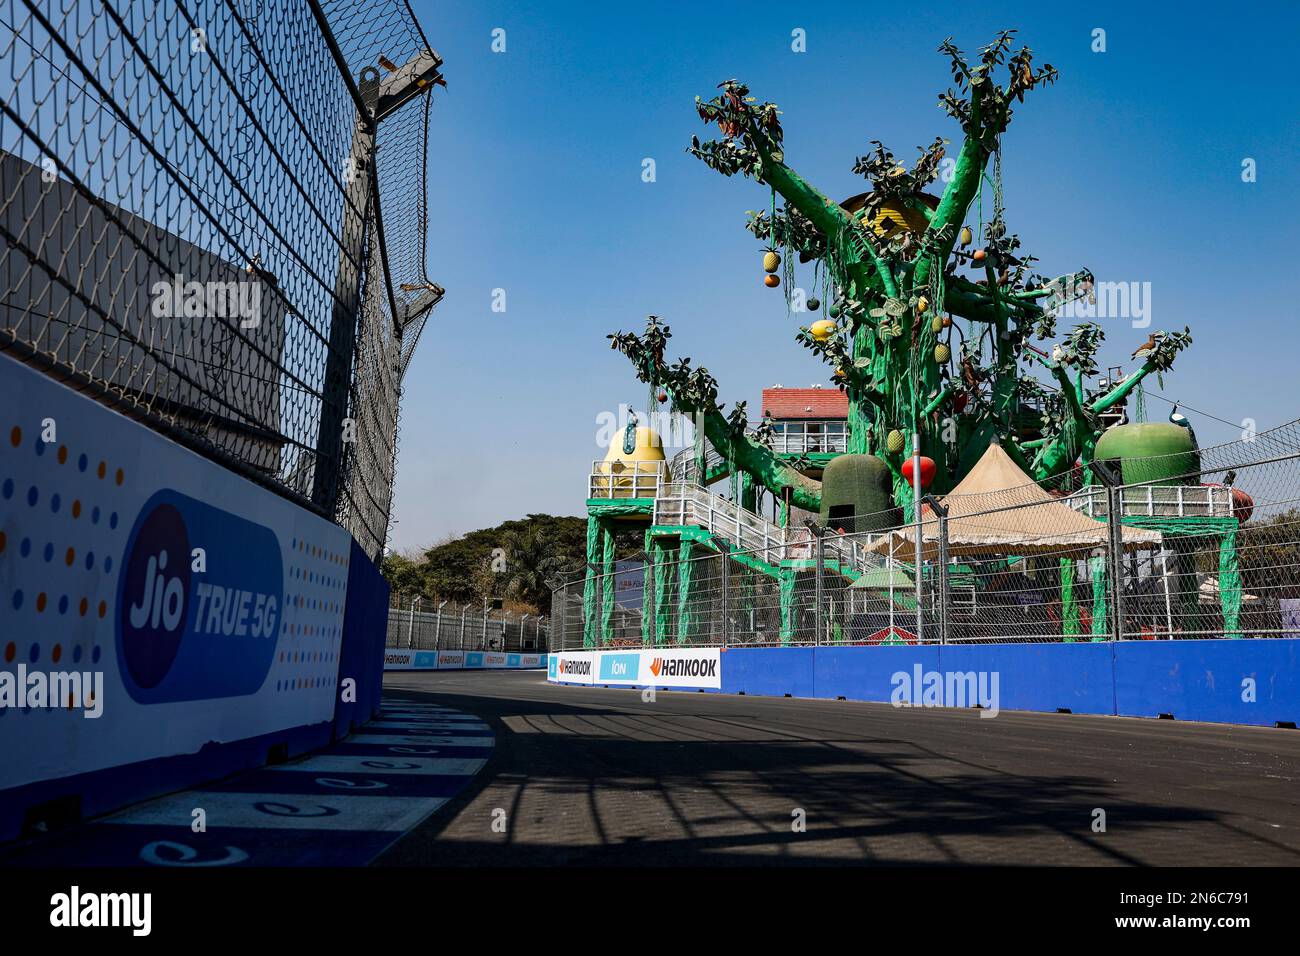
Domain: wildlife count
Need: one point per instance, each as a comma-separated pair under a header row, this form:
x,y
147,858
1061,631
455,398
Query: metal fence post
x,y
1111,476
916,513
1116,556
346,308
941,512
726,577
818,536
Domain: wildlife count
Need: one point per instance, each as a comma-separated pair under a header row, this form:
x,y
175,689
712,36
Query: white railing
x,y
1158,501
824,443
625,479
680,503
682,466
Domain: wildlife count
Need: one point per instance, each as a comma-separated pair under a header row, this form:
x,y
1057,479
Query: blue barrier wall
x,y
1044,677
1201,680
238,664
1206,680
844,672
361,658
768,671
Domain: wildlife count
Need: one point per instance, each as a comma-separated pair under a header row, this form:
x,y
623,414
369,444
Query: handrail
x,y
1158,501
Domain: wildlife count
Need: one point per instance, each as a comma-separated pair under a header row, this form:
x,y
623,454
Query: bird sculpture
x,y
1148,346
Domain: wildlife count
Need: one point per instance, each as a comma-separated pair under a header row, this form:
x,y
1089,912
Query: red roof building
x,y
793,404
807,420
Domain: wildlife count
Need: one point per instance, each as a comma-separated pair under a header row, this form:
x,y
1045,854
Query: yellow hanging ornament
x,y
822,329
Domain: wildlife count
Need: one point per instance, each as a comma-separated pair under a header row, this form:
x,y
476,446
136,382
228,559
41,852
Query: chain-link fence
x,y
1208,546
214,219
415,624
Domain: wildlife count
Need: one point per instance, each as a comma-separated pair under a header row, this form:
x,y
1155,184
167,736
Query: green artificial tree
x,y
891,260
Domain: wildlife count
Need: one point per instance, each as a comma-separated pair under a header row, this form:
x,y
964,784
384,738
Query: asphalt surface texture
x,y
594,776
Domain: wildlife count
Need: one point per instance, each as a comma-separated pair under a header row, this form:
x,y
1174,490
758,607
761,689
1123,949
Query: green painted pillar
x,y
590,603
1230,584
701,457
684,595
786,581
1100,622
607,580
1071,626
663,579
648,592
748,493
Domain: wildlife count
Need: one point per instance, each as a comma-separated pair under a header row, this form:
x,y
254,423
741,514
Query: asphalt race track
x,y
596,776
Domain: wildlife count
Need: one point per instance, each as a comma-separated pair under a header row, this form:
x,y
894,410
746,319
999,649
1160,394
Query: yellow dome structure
x,y
630,474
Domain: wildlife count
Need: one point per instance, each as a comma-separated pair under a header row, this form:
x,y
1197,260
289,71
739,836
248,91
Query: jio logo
x,y
154,596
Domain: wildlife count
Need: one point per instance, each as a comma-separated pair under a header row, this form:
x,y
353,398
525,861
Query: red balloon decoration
x,y
927,471
1243,505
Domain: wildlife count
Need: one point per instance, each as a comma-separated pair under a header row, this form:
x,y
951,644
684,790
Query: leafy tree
x,y
404,575
533,548
532,561
1269,555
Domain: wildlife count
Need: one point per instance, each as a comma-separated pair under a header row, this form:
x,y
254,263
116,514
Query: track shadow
x,y
608,785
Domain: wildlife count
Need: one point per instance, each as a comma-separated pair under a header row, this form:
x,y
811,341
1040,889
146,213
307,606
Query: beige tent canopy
x,y
998,509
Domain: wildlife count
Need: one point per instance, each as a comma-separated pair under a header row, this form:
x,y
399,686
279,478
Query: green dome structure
x,y
857,494
1153,452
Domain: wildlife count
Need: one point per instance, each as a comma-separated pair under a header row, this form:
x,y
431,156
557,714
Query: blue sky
x,y
1131,165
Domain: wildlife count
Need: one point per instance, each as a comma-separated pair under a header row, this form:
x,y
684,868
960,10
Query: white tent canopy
x,y
998,509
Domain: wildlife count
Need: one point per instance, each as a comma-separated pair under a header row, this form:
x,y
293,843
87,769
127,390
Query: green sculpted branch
x,y
693,392
890,257
1059,453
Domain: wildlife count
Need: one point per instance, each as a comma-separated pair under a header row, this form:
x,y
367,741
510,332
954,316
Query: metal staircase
x,y
687,504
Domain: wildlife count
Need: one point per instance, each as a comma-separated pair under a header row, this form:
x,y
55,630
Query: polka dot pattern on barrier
x,y
66,512
311,627
62,563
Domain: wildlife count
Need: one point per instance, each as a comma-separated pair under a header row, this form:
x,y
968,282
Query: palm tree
x,y
531,559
